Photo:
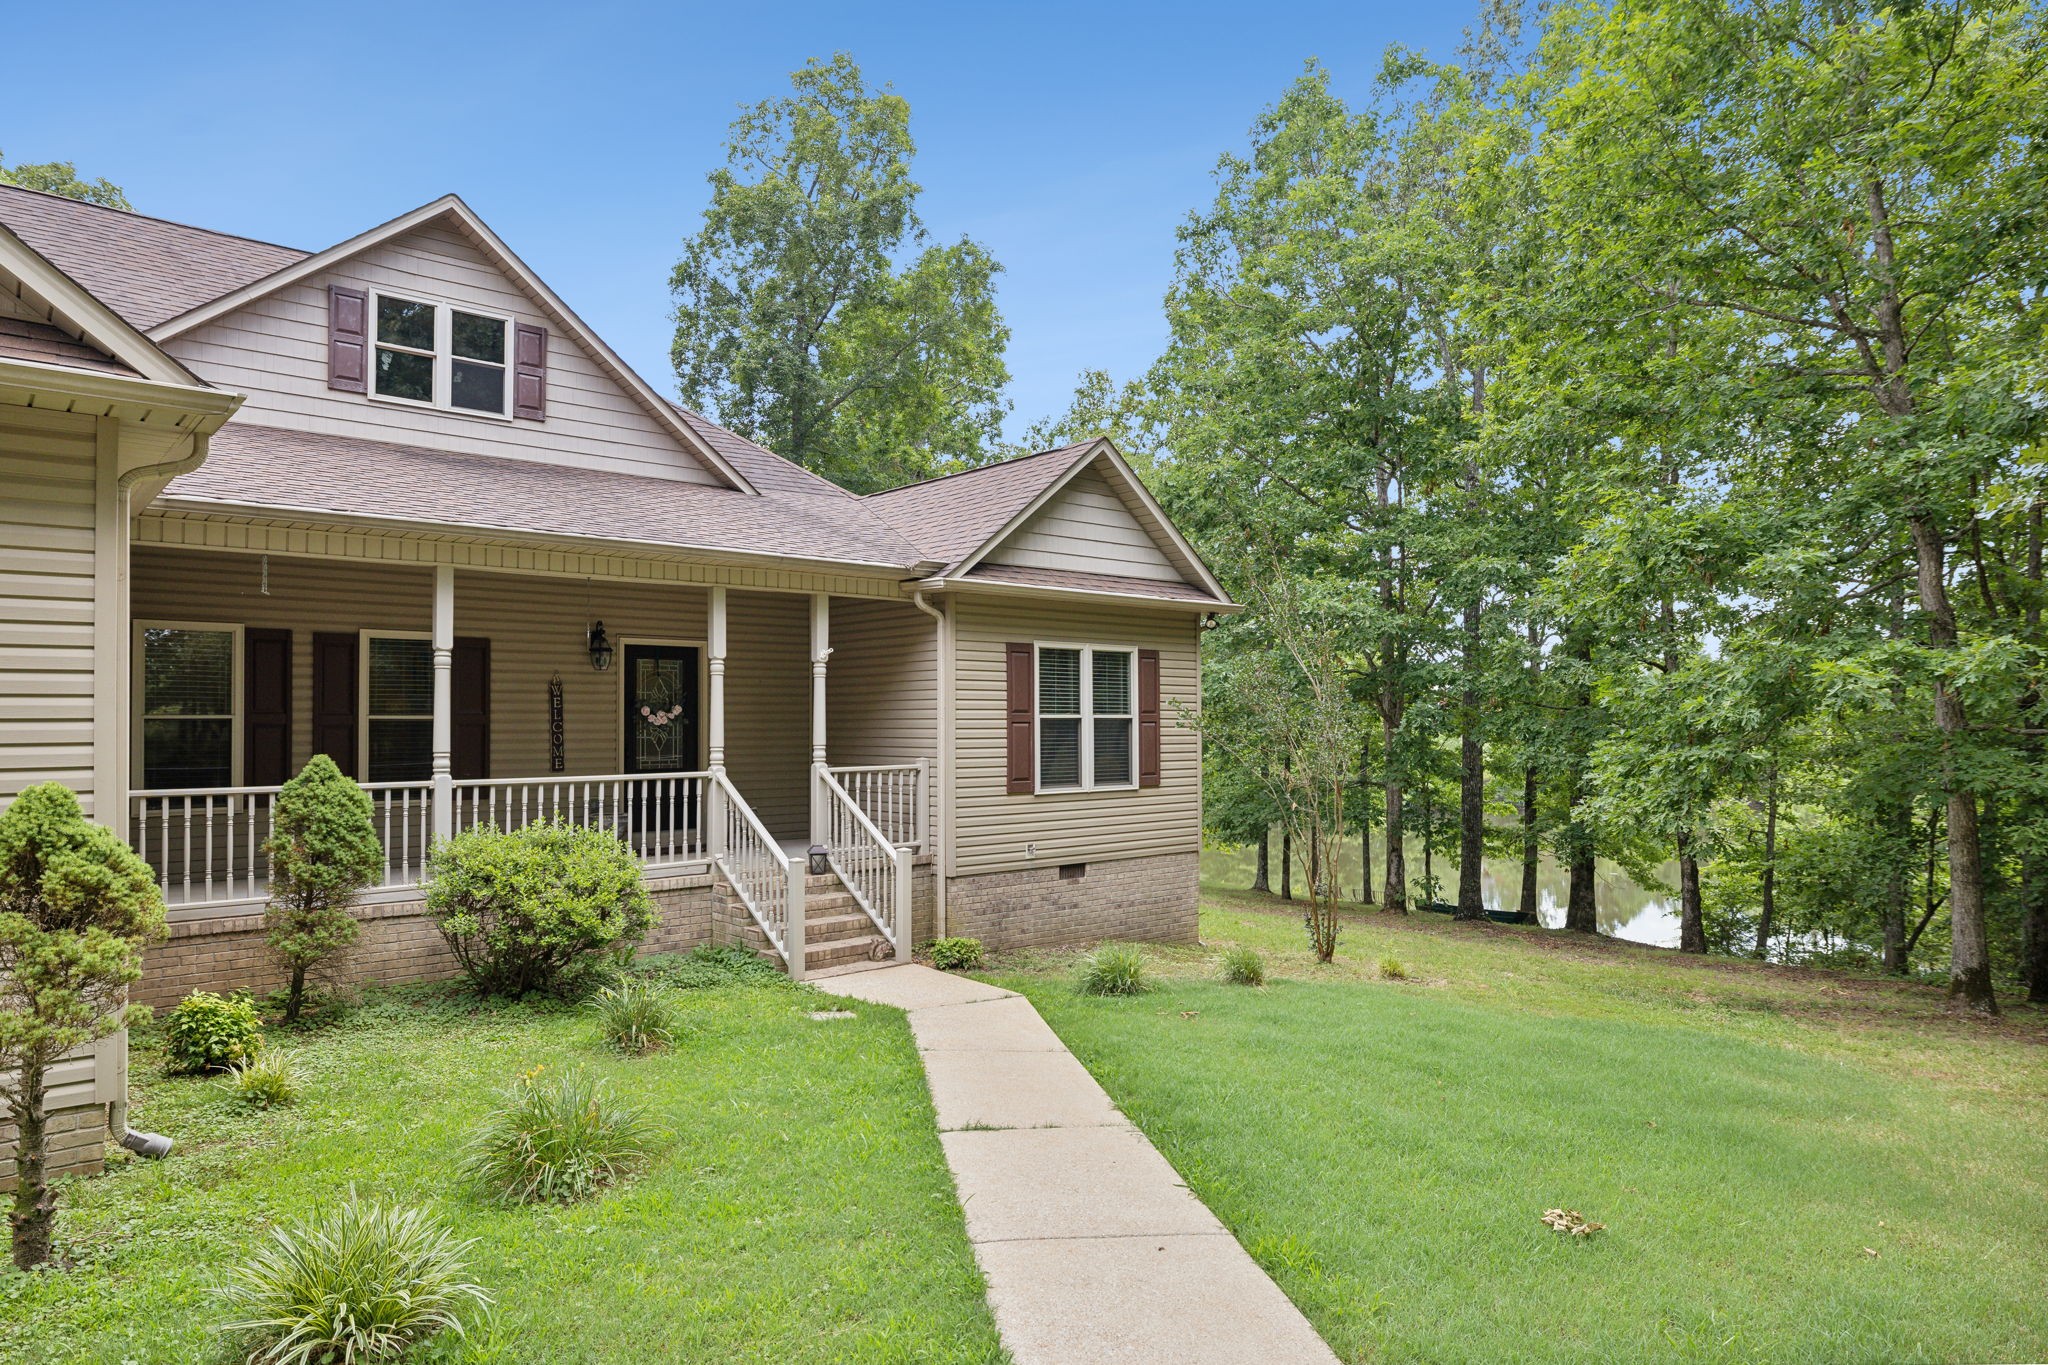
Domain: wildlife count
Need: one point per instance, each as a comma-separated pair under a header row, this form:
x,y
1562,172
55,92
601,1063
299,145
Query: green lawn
x,y
800,1211
1792,1166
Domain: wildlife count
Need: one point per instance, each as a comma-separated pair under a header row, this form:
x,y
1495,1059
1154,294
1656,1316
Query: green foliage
x,y
61,177
635,1017
323,851
709,967
1392,968
533,908
359,1282
208,1032
812,315
264,1081
1242,966
1114,969
76,909
956,954
556,1138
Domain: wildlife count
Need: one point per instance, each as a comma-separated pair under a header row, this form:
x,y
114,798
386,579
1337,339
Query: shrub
x,y
1114,969
263,1082
636,1017
956,954
1243,966
359,1282
76,908
529,909
556,1139
208,1032
323,851
1392,970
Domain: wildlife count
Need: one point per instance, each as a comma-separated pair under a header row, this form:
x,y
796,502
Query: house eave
x,y
995,588
193,410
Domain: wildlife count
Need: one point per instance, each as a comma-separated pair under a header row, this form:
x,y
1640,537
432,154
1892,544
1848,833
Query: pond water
x,y
1626,910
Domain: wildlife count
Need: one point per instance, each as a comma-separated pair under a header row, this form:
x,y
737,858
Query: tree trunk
x,y
1692,925
34,1217
1969,982
1897,822
1315,867
1471,782
1428,842
1395,896
1527,906
296,996
2033,865
1364,824
1286,865
1769,897
1262,874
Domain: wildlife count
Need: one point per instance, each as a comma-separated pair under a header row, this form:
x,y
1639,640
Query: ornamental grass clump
x,y
1243,966
1114,969
265,1081
359,1282
636,1017
555,1139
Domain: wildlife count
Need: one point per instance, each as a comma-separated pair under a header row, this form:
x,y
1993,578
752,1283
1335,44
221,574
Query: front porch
x,y
727,732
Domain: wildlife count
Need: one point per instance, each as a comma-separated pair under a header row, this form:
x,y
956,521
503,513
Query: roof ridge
x,y
981,468
154,218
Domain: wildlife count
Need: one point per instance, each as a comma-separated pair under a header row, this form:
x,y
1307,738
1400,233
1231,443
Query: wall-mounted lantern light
x,y
600,648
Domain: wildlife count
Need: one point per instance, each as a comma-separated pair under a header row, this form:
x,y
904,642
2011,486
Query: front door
x,y
661,709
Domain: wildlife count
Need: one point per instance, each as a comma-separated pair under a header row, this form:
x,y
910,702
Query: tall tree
x,y
62,177
813,313
1842,192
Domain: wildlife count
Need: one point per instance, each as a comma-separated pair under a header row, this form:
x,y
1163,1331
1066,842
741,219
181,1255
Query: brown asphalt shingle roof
x,y
342,476
1075,579
146,269
21,339
952,517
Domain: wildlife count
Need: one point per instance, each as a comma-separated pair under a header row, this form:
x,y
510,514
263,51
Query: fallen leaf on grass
x,y
1570,1222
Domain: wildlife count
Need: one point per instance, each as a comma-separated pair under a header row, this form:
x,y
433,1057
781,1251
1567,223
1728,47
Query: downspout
x,y
942,711
145,1144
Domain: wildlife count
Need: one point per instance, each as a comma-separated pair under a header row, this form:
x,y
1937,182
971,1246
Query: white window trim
x,y
136,713
444,354
1088,653
363,639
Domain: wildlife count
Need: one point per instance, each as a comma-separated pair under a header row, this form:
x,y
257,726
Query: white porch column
x,y
444,701
715,703
821,650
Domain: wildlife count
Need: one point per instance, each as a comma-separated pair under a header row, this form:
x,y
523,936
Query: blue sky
x,y
1069,139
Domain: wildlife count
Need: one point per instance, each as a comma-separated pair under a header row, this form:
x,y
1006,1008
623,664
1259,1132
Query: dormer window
x,y
440,356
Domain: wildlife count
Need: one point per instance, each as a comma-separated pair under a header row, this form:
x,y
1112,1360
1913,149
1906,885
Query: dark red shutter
x,y
470,709
266,707
348,339
1022,712
529,372
334,698
1148,717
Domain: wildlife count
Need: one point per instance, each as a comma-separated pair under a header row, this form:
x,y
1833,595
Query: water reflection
x,y
1626,910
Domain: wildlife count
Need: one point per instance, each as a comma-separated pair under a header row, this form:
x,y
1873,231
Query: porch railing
x,y
769,882
895,797
205,844
661,816
875,868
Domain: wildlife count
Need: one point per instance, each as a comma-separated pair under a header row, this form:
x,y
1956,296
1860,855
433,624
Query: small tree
x,y
323,851
76,908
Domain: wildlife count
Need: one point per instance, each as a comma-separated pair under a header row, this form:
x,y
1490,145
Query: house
x,y
393,502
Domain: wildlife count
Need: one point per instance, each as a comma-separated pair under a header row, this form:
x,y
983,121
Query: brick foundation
x,y
1150,900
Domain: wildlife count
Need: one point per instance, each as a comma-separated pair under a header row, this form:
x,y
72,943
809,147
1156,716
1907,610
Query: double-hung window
x,y
1086,715
188,705
398,687
441,356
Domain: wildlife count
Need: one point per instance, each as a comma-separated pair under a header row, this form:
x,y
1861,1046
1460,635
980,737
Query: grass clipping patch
x,y
1570,1222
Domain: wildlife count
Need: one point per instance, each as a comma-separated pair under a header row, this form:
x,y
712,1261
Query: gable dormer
x,y
429,332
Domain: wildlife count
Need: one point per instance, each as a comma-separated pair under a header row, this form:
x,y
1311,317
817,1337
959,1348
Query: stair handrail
x,y
787,936
893,919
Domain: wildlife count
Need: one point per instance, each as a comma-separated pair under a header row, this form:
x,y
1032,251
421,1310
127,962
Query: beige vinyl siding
x,y
881,688
48,471
275,350
1086,527
994,829
537,627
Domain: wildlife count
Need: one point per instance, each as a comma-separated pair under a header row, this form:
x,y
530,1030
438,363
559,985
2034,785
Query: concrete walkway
x,y
1094,1250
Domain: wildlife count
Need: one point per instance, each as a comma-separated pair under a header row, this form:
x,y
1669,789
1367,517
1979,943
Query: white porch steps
x,y
838,935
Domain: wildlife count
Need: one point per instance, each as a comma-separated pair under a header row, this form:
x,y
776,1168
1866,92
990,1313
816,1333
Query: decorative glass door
x,y
661,709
